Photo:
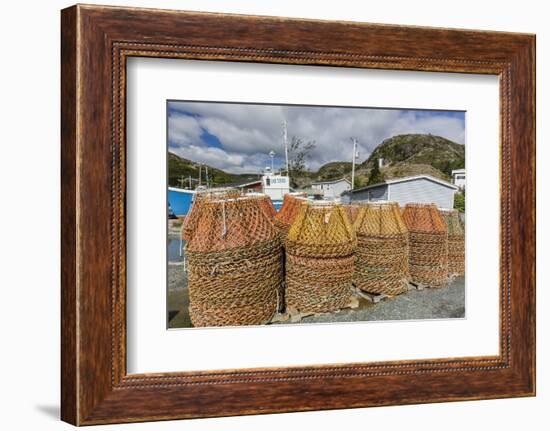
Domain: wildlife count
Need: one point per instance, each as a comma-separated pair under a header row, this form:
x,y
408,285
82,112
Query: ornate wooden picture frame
x,y
96,42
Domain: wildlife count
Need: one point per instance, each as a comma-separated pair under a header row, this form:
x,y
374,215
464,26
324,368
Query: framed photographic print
x,y
258,208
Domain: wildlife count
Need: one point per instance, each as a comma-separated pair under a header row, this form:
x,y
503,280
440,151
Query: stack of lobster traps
x,y
320,255
382,265
428,245
234,257
456,248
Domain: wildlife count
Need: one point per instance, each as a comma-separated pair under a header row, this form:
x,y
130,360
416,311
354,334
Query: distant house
x,y
417,189
331,189
459,178
246,185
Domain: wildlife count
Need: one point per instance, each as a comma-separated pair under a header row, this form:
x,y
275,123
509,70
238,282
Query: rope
x,y
224,230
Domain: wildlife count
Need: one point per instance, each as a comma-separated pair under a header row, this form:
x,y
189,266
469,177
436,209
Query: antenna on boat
x,y
272,154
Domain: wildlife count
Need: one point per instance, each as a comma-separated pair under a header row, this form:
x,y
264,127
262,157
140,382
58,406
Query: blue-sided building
x,y
180,200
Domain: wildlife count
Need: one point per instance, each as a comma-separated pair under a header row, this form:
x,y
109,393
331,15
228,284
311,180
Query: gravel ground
x,y
444,303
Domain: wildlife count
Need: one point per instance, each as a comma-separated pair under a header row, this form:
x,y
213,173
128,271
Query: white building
x,y
331,189
459,178
422,189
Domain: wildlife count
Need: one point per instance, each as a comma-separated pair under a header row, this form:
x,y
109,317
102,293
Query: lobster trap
x,y
456,246
320,255
234,264
428,245
191,220
265,203
286,215
382,264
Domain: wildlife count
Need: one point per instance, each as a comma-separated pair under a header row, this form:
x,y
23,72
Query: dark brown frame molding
x,y
95,43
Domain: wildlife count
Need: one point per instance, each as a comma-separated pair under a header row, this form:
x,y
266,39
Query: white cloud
x,y
249,132
183,130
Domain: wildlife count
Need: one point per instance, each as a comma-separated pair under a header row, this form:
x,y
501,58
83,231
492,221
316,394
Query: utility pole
x,y
181,181
190,185
200,169
206,170
355,155
285,142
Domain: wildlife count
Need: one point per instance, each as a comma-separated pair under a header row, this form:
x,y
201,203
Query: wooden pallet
x,y
375,298
413,285
292,315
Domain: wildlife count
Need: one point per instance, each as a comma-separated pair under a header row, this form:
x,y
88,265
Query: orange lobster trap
x,y
428,244
234,264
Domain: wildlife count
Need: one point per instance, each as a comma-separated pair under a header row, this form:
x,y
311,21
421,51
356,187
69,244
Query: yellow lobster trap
x,y
382,264
320,256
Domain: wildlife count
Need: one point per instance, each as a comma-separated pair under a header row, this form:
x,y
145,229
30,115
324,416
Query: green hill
x,y
404,156
440,153
332,171
179,167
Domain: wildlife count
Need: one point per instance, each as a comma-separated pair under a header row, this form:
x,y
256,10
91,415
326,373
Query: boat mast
x,y
285,142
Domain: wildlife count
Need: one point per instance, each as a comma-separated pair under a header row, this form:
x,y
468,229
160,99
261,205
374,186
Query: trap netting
x,y
265,203
286,215
234,264
428,262
382,264
320,255
352,212
190,221
456,248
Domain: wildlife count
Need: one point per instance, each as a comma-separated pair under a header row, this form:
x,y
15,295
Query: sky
x,y
238,137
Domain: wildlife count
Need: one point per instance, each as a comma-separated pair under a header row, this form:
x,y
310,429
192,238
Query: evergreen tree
x,y
376,176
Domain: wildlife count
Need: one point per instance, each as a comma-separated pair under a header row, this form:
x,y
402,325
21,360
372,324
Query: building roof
x,y
405,179
331,182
